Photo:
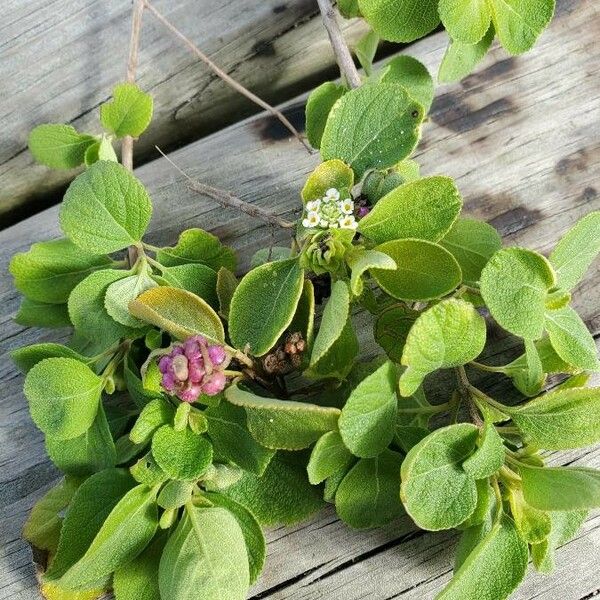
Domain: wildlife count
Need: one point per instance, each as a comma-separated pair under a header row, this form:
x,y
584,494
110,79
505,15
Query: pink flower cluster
x,y
193,368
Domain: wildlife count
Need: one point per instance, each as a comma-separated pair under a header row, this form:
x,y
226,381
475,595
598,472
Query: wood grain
x,y
59,61
521,138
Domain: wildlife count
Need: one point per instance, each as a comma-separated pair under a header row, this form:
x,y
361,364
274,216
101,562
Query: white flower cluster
x,y
330,212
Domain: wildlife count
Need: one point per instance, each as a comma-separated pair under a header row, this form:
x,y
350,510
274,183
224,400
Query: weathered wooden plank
x,y
530,169
61,59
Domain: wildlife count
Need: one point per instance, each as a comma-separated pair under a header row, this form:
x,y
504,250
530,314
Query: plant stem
x,y
238,87
435,408
465,389
342,53
226,199
487,368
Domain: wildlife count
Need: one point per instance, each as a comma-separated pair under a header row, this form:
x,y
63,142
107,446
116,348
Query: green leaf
x,y
534,525
49,271
59,146
270,254
368,420
571,339
281,496
392,327
140,395
318,106
191,566
472,243
92,451
520,22
564,527
514,285
102,150
425,270
42,528
365,50
283,424
251,529
304,319
226,284
264,304
88,312
123,291
128,113
551,362
530,380
127,530
372,127
138,579
460,59
348,8
412,75
155,414
449,334
231,439
436,491
328,456
489,455
181,454
105,209
560,420
494,568
91,505
28,356
63,396
41,314
368,496
561,488
178,312
465,20
400,20
329,174
424,209
147,471
576,251
198,246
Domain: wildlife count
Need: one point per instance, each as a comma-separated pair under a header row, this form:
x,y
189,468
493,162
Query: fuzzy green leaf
x,y
318,106
226,284
489,455
520,22
576,251
155,414
28,356
41,314
205,557
425,270
560,420
368,496
49,271
59,146
328,456
460,59
534,525
449,334
123,291
181,454
372,127
264,304
465,20
412,75
472,243
128,113
424,209
105,209
329,174
283,424
102,150
436,491
571,339
391,329
514,285
400,20
494,568
561,488
178,312
368,420
63,396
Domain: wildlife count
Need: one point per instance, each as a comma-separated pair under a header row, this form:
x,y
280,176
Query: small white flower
x,y
346,206
312,219
313,205
324,223
331,195
348,222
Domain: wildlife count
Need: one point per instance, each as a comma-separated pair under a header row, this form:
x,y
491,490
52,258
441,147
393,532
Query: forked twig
x,y
226,199
238,87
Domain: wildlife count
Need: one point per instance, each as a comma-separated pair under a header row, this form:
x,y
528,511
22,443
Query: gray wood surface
x,y
521,138
59,61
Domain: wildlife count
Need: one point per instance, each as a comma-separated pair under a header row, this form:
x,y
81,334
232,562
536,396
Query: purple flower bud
x,y
217,355
196,371
363,211
214,383
190,393
164,364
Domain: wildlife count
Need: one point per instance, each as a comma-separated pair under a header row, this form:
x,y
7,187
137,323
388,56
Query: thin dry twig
x,y
238,87
342,53
226,199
